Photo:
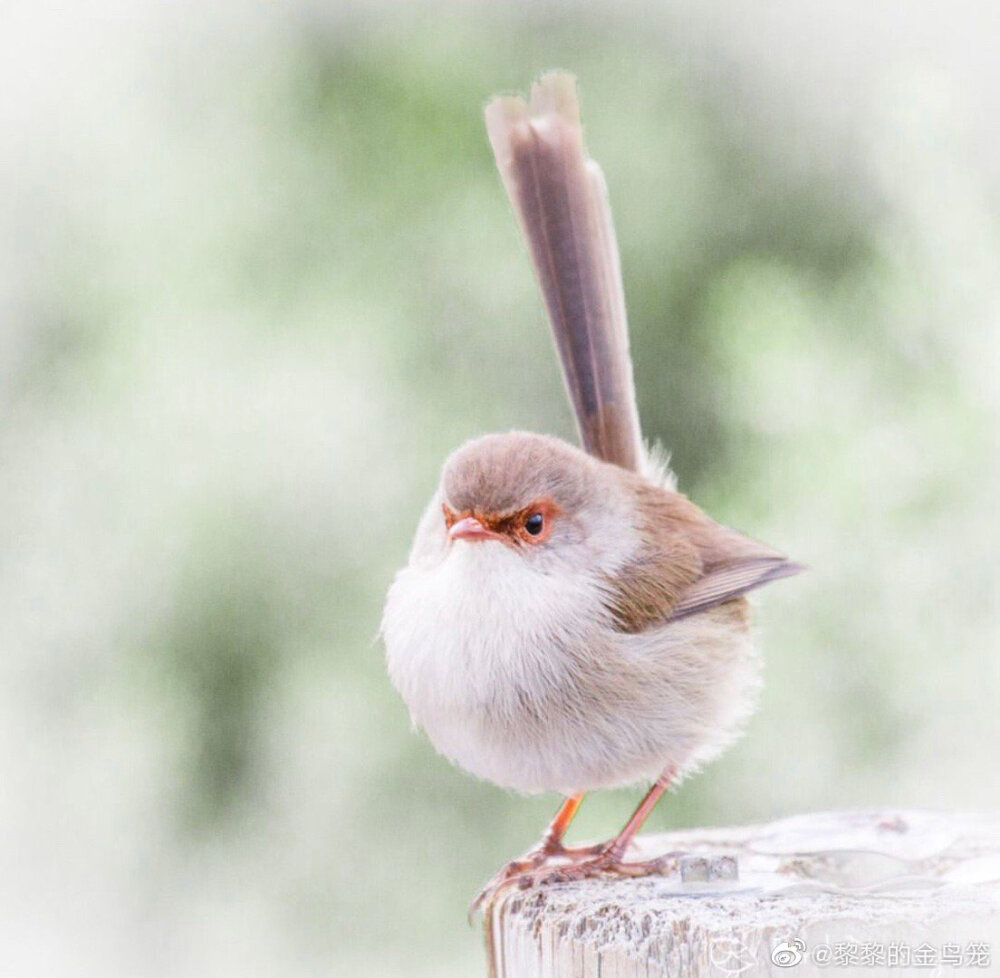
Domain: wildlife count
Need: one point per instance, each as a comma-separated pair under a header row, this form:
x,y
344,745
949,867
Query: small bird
x,y
567,620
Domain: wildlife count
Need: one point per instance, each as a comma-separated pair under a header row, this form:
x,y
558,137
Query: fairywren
x,y
567,620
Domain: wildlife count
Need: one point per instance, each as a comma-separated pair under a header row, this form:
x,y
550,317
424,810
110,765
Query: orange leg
x,y
616,848
551,845
586,861
609,858
552,840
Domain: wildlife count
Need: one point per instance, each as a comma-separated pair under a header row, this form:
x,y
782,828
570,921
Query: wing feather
x,y
732,581
689,563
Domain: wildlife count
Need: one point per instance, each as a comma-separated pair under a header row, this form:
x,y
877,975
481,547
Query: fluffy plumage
x,y
559,667
614,646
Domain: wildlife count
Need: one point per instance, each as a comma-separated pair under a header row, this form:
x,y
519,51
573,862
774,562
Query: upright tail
x,y
561,201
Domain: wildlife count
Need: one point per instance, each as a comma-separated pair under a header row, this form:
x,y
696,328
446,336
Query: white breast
x,y
517,675
478,636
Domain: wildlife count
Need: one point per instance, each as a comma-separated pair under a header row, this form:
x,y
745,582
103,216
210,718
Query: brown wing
x,y
732,580
690,564
561,202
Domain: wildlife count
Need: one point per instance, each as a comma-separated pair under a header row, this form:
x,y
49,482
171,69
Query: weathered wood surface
x,y
875,889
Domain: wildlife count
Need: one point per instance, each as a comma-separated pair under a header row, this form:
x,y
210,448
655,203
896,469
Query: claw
x,y
584,862
519,869
606,861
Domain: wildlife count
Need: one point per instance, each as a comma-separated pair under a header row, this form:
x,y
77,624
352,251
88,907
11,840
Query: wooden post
x,y
887,893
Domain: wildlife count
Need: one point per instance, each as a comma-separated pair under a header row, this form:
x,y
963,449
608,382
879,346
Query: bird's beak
x,y
469,528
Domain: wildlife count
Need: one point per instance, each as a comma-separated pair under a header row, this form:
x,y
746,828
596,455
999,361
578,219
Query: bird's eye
x,y
534,523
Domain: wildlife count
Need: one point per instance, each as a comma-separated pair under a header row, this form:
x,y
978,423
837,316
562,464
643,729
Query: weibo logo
x,y
787,954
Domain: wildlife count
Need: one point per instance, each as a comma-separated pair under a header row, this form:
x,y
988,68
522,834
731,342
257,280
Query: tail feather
x,y
561,201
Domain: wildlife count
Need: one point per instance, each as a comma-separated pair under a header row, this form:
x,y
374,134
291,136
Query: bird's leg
x,y
617,846
609,858
551,845
586,861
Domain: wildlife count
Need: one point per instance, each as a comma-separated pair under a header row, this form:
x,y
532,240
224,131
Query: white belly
x,y
515,676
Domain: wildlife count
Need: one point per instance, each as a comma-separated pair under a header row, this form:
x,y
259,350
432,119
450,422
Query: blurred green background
x,y
258,277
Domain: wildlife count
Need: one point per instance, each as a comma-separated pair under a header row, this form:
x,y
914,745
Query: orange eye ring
x,y
532,525
535,522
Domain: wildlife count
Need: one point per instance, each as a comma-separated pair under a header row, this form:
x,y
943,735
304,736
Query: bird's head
x,y
527,492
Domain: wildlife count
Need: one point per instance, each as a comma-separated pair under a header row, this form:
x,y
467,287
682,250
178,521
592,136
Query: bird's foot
x,y
693,871
541,856
608,860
